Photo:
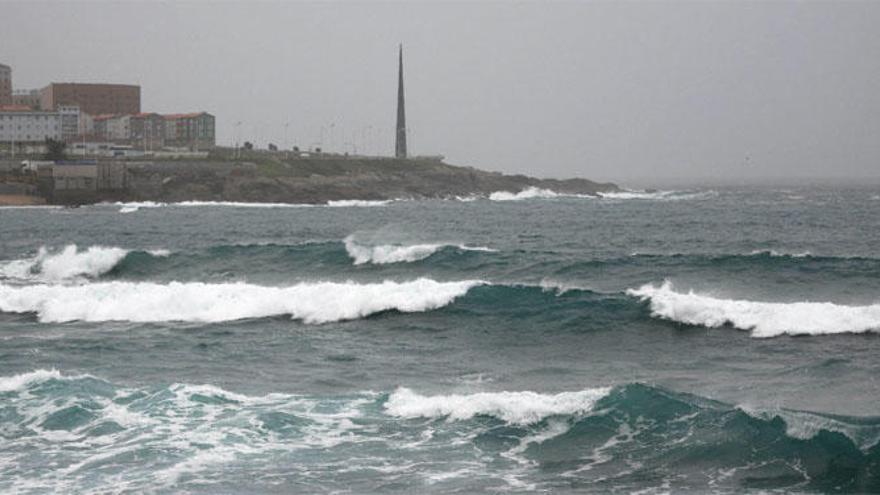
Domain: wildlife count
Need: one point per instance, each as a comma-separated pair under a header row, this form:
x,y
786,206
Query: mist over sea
x,y
684,340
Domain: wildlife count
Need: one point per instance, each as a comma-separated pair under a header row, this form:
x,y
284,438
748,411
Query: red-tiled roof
x,y
15,108
104,116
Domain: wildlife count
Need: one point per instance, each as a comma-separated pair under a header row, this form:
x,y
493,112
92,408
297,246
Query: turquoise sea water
x,y
687,341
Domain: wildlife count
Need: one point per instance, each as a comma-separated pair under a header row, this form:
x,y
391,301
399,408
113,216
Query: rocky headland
x,y
314,180
258,176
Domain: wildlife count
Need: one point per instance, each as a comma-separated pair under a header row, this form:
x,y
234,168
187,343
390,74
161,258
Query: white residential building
x,y
29,126
117,128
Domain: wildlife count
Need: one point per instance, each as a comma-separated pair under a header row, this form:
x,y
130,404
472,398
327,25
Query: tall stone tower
x,y
400,142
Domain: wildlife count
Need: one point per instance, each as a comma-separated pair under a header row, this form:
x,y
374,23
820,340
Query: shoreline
x,y
276,178
21,200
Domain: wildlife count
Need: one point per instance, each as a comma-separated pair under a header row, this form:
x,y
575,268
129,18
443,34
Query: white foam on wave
x,y
30,207
560,287
659,195
68,264
135,206
530,192
392,253
194,428
17,382
345,203
467,199
763,319
319,302
130,207
804,425
521,408
239,204
779,254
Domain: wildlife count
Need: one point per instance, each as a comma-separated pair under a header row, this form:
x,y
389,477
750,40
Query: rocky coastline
x,y
307,180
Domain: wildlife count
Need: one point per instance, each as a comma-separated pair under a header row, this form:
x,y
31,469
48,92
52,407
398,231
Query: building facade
x,y
28,126
193,130
147,130
115,128
27,97
5,85
69,118
93,99
100,125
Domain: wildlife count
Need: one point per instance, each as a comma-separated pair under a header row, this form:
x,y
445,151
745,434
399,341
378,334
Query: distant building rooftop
x,y
174,116
15,108
93,84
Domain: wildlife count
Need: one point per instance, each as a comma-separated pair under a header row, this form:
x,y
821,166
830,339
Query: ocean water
x,y
709,339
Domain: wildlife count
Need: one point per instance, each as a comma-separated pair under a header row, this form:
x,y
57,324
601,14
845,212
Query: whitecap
x,y
763,319
16,382
779,254
527,193
318,302
659,195
68,264
344,203
130,207
804,425
30,207
559,287
520,408
392,253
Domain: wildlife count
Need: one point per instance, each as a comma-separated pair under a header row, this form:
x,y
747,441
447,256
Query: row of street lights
x,y
363,139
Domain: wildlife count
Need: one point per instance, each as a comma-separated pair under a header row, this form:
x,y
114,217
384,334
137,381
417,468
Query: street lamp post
x,y
237,137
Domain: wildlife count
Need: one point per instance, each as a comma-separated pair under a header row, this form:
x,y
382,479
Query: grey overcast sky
x,y
610,91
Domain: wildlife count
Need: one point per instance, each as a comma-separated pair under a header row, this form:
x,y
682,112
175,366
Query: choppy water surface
x,y
703,340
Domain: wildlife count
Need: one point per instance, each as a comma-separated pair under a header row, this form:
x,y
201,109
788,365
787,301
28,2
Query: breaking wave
x,y
780,254
519,408
763,319
532,192
343,203
70,263
659,195
93,435
129,207
23,380
392,253
201,302
527,193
